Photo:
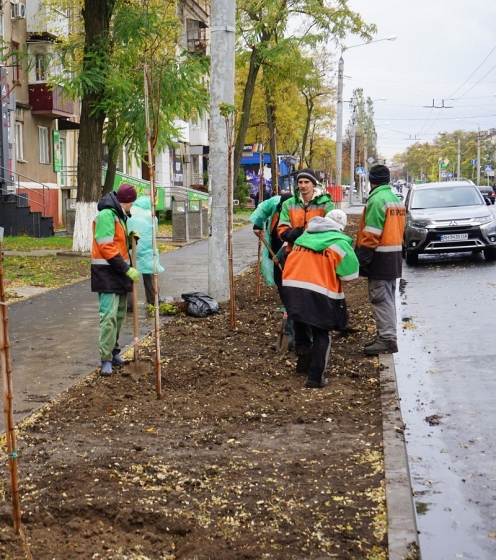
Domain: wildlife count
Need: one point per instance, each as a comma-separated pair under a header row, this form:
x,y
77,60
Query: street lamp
x,y
339,108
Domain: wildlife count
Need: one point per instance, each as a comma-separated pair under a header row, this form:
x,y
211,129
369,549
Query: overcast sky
x,y
445,50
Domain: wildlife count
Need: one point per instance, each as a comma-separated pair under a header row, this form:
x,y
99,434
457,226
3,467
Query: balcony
x,y
197,42
49,102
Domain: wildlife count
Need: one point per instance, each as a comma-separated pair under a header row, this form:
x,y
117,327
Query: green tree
x,y
365,132
105,65
91,88
262,25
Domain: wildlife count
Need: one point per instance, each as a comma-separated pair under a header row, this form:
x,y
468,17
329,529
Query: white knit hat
x,y
339,217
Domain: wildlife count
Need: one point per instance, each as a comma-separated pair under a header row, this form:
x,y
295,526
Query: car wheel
x,y
411,258
490,254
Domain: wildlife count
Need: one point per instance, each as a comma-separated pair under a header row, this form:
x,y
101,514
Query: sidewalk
x,y
54,343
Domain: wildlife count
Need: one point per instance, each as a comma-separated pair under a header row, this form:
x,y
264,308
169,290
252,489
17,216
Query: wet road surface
x,y
446,372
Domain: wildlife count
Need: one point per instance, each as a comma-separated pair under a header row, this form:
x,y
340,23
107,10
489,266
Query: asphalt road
x,y
447,386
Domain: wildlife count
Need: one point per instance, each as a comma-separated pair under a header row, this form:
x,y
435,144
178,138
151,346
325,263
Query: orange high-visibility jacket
x,y
110,250
321,259
380,235
295,214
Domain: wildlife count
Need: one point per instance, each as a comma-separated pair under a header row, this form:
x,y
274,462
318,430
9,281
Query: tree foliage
x,y
263,36
140,33
423,160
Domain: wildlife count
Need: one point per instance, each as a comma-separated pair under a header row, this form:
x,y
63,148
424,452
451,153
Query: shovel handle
x,y
269,248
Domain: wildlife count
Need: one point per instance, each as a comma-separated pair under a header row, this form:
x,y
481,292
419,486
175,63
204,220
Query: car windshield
x,y
445,197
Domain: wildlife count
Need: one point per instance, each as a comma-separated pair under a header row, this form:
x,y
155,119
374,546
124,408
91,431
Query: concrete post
x,y
352,152
364,192
221,91
478,156
458,177
339,124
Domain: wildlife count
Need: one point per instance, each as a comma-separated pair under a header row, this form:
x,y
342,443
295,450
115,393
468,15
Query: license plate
x,y
455,237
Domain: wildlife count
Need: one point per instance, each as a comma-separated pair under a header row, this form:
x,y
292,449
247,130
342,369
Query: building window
x,y
19,138
44,144
14,63
40,64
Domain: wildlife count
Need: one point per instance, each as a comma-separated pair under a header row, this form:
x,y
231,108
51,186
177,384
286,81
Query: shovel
x,y
282,341
136,366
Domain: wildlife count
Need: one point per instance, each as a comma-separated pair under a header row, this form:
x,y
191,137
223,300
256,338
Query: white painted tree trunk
x,y
83,236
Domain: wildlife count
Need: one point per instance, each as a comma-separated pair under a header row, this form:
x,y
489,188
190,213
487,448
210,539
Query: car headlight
x,y
484,219
420,223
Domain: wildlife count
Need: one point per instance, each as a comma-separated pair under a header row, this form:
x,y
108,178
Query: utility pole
x,y
365,164
478,156
352,151
459,162
339,123
221,91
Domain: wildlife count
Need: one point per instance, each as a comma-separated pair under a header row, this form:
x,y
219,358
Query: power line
x,y
453,94
477,82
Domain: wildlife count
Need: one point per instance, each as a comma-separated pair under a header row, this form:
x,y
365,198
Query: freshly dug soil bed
x,y
237,460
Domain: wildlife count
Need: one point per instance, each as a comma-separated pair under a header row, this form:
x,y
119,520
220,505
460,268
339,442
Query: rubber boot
x,y
106,368
116,358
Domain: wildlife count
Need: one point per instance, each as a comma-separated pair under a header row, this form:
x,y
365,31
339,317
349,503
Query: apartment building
x,y
38,151
187,165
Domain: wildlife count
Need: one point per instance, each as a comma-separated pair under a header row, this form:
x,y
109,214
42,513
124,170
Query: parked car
x,y
487,191
446,218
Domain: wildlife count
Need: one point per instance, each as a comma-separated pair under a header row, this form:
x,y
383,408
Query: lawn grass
x,y
25,243
52,271
49,271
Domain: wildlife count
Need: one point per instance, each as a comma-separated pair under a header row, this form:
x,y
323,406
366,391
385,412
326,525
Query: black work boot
x,y
312,384
304,354
381,348
370,342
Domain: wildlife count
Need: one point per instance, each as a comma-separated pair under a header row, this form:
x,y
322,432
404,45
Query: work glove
x,y
292,235
133,274
134,234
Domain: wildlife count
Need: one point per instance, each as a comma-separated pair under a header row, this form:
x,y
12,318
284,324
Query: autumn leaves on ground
x,y
236,460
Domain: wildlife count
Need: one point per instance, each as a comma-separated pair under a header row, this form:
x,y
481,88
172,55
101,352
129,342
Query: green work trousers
x,y
112,308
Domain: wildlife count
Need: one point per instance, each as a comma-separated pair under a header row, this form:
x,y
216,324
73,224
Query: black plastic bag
x,y
200,304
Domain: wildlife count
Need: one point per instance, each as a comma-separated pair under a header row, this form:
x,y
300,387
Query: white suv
x,y
446,218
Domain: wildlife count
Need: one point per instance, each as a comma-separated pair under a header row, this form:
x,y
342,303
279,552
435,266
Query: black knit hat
x,y
379,175
307,174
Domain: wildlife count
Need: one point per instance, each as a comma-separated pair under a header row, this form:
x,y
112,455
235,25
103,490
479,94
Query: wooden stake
x,y
259,268
151,161
230,252
8,400
135,307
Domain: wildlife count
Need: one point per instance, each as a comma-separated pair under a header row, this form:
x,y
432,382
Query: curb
x,y
402,526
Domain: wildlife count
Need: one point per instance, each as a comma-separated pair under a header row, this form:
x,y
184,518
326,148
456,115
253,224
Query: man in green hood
x,y
321,260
